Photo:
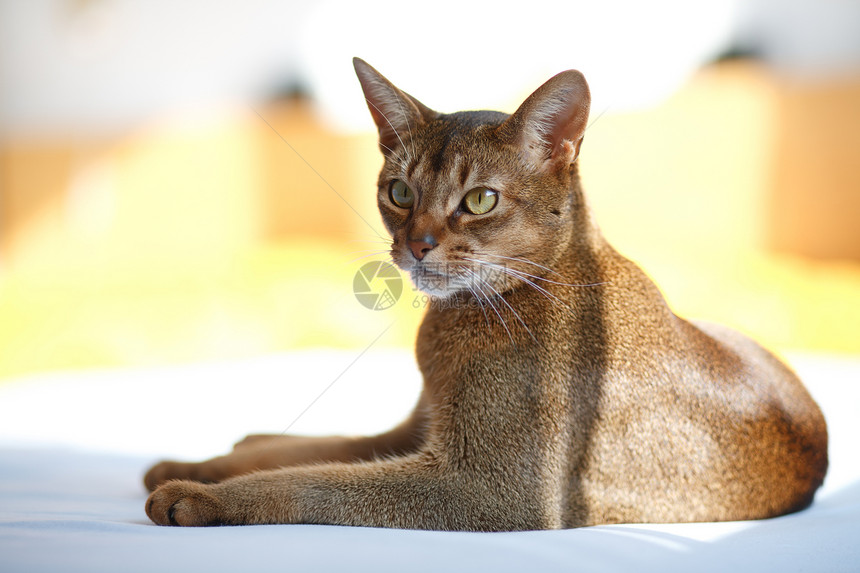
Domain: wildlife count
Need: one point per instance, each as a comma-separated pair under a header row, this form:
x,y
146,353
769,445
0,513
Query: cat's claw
x,y
184,503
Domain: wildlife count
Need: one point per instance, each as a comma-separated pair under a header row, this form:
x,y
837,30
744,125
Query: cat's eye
x,y
401,195
480,200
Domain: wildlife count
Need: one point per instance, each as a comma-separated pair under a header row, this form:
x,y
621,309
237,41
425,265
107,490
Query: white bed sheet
x,y
74,446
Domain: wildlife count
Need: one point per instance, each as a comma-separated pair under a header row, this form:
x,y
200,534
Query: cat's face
x,y
463,209
474,201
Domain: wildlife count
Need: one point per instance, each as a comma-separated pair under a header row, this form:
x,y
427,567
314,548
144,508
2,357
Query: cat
x,y
559,388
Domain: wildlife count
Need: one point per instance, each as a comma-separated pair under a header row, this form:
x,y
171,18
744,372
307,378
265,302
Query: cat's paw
x,y
184,503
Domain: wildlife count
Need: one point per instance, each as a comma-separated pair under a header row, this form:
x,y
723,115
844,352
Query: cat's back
x,y
782,415
703,423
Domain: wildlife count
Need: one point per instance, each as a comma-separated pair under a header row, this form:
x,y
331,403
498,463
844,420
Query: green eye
x,y
401,194
480,200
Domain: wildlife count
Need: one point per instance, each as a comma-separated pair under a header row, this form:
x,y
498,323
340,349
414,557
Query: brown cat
x,y
559,388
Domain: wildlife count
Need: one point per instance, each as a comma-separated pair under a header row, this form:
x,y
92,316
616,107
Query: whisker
x,y
549,296
517,275
371,251
492,306
536,277
373,254
507,304
384,240
373,245
478,298
522,260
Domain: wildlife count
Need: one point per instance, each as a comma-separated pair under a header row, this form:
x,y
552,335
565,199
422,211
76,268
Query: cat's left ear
x,y
550,124
395,113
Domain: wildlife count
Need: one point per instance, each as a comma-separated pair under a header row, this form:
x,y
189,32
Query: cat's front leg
x,y
412,492
281,451
274,451
332,493
248,455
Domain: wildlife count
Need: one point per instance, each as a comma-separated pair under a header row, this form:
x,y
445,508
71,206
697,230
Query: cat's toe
x,y
184,503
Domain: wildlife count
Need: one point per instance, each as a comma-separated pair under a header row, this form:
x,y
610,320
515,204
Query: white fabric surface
x,y
74,446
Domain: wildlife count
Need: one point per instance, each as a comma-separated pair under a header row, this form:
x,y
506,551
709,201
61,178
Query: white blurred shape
x,y
805,38
463,55
107,66
200,410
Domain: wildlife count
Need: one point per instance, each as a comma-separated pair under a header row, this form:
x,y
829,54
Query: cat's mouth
x,y
443,280
443,277
435,279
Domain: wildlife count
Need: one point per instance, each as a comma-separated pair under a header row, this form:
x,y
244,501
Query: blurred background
x,y
193,181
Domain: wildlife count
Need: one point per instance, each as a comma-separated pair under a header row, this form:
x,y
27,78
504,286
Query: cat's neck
x,y
579,237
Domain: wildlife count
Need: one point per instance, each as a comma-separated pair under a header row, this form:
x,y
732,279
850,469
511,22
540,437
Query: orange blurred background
x,y
236,230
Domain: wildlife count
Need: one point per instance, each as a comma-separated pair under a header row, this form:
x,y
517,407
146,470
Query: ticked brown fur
x,y
559,388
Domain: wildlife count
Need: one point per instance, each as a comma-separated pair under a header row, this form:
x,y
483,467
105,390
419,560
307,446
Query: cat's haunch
x,y
560,390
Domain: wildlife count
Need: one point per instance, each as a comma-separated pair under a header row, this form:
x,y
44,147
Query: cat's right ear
x,y
395,113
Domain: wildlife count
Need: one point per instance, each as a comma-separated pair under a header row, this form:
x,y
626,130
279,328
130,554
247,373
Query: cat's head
x,y
478,201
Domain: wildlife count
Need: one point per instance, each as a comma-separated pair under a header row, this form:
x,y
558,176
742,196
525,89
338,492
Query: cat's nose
x,y
422,246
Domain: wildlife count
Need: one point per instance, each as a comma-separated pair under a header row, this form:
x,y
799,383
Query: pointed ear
x,y
550,124
395,113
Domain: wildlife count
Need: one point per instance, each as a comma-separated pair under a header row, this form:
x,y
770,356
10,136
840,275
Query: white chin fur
x,y
436,285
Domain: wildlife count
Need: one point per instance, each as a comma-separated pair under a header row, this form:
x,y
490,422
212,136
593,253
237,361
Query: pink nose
x,y
421,247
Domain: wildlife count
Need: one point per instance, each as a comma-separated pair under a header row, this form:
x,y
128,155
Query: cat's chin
x,y
434,284
434,281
